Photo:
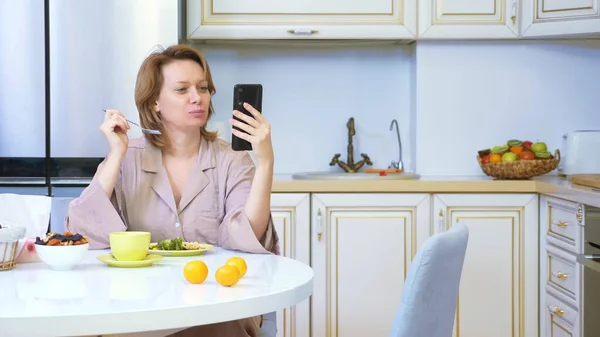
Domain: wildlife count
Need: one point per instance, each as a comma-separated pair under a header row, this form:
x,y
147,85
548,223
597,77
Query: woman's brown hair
x,y
150,81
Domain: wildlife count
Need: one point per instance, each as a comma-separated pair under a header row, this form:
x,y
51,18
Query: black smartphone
x,y
245,93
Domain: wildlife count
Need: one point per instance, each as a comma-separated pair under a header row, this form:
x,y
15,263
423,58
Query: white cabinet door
x,y
560,18
468,19
499,284
362,246
301,19
291,216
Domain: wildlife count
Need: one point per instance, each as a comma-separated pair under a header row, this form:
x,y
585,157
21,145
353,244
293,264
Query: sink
x,y
353,176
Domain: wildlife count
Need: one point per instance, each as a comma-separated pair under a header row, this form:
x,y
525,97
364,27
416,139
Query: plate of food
x,y
178,247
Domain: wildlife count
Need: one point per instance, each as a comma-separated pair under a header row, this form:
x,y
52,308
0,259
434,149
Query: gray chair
x,y
428,304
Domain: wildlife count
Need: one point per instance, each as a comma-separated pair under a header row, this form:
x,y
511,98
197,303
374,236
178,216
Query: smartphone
x,y
245,93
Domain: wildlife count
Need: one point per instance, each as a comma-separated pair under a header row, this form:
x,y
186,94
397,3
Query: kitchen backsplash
x,y
449,98
475,95
309,95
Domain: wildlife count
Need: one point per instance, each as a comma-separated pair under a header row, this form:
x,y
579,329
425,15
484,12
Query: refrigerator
x,y
61,63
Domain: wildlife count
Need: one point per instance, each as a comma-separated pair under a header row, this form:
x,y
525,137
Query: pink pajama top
x,y
211,209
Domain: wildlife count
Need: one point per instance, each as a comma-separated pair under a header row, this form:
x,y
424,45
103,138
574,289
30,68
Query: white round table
x,y
95,299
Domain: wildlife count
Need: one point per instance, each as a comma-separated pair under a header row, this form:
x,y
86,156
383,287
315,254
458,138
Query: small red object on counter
x,y
382,174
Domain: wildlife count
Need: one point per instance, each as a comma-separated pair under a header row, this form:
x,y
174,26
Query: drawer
x,y
564,221
560,319
563,272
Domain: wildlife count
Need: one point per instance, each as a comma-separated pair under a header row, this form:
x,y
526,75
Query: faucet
x,y
351,166
398,164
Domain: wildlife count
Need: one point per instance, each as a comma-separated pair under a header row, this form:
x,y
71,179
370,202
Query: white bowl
x,y
62,257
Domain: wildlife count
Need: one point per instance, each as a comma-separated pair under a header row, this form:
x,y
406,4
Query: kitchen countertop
x,y
425,184
564,189
552,185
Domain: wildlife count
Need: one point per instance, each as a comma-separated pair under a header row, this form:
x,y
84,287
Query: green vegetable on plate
x,y
174,244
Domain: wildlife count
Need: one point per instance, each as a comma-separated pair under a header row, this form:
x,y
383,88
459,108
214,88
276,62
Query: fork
x,y
150,131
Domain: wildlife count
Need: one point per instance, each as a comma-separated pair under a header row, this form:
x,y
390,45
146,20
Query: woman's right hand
x,y
115,129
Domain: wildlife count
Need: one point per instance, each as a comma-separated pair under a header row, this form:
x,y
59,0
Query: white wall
x,y
450,98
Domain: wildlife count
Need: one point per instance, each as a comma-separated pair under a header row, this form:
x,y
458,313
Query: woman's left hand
x,y
259,133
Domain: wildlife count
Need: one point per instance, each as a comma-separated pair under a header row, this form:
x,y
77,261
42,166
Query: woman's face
x,y
184,99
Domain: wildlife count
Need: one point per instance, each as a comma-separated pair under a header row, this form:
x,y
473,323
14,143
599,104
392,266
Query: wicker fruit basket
x,y
9,241
8,254
521,169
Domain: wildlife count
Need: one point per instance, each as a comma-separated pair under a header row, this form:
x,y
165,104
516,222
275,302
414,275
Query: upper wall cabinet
x,y
560,18
468,19
301,19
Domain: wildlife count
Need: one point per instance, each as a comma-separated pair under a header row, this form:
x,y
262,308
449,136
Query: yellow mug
x,y
129,246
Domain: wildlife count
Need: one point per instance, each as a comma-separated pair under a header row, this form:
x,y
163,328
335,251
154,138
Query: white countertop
x,y
95,299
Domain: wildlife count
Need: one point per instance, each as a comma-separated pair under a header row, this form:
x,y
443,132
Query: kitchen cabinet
x,y
301,19
397,20
560,18
498,294
468,19
362,244
561,240
291,212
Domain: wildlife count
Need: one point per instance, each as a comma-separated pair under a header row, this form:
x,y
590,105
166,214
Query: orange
x,y
239,263
516,150
195,272
495,158
227,275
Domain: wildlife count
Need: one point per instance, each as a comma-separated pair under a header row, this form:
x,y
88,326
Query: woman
x,y
185,182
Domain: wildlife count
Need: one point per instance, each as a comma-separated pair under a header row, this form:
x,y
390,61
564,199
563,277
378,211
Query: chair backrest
x,y
428,304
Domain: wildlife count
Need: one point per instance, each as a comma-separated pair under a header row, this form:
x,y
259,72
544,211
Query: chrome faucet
x,y
398,164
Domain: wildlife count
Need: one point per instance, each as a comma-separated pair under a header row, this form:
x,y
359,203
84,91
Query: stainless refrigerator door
x,y
22,79
96,49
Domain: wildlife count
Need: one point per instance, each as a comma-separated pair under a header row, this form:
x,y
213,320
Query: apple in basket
x,y
62,251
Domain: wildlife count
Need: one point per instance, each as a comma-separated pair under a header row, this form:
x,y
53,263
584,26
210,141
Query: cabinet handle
x,y
556,310
302,31
561,275
562,224
319,225
514,12
579,214
441,221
